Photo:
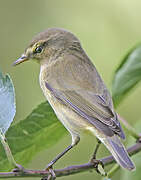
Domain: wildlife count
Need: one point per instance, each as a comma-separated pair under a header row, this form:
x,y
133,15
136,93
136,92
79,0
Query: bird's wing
x,y
98,113
87,95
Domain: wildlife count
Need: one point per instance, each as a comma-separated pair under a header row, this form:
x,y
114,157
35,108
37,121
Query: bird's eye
x,y
38,49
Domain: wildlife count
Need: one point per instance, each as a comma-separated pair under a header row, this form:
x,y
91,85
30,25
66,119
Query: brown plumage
x,y
76,91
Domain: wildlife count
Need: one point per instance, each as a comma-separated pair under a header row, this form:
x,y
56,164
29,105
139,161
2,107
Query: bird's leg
x,y
49,166
96,149
58,157
75,140
94,160
51,176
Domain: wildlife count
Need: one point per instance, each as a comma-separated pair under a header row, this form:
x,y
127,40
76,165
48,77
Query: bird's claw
x,y
18,168
49,166
97,164
51,175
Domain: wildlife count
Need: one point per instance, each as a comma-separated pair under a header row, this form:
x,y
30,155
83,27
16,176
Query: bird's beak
x,y
20,60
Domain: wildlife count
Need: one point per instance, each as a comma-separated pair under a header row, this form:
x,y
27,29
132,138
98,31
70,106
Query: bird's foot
x,y
18,168
51,175
99,166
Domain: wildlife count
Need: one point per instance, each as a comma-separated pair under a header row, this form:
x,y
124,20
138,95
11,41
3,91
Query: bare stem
x,y
68,170
113,170
7,150
129,128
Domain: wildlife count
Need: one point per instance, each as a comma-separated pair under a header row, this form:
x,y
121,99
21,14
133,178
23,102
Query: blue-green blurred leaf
x,y
127,75
7,102
40,130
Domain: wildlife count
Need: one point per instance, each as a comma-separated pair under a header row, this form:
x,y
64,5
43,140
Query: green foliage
x,y
7,102
38,131
127,75
41,129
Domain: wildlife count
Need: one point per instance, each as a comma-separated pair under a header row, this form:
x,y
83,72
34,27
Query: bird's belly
x,y
70,119
73,122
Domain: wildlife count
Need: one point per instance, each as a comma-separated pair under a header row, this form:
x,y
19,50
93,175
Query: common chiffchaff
x,y
76,92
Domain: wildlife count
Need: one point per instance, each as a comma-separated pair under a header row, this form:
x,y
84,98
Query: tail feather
x,y
119,152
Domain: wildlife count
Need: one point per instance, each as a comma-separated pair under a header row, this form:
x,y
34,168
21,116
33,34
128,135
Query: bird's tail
x,y
118,151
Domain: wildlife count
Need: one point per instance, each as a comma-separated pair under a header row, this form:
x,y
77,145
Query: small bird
x,y
76,92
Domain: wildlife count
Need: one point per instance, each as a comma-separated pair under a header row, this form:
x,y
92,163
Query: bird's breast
x,y
70,119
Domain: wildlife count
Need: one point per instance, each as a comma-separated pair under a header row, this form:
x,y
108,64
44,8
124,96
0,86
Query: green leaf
x,y
7,102
136,175
40,130
127,75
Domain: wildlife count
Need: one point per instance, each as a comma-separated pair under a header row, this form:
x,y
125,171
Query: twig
x,y
68,170
7,150
113,170
129,128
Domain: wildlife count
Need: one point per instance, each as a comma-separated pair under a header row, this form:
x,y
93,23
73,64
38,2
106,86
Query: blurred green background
x,y
107,30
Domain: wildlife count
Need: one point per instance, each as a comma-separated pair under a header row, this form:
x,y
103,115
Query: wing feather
x,y
95,114
79,86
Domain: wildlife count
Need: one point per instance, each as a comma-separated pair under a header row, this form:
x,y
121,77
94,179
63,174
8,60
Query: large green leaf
x,y
7,102
127,75
38,131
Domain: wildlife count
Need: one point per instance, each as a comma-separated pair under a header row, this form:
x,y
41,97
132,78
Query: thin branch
x,y
113,170
131,130
7,150
71,169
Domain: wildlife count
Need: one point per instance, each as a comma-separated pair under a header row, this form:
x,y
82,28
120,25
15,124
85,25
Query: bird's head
x,y
47,45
